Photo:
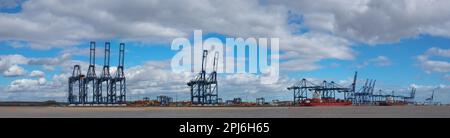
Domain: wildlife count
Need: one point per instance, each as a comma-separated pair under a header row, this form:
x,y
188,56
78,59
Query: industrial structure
x,y
365,95
260,101
235,101
97,86
204,87
325,94
164,100
392,99
91,89
430,100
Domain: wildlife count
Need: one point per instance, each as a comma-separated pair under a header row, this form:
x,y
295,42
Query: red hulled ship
x,y
324,102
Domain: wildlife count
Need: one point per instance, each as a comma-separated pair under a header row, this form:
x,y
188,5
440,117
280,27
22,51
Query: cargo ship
x,y
391,102
318,101
324,102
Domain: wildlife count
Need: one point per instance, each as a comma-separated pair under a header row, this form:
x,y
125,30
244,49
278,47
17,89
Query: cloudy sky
x,y
401,44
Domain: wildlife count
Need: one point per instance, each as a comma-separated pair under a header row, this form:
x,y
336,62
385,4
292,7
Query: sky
x,y
401,44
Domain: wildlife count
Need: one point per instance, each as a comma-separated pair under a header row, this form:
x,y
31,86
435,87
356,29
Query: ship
x,y
391,102
318,101
325,102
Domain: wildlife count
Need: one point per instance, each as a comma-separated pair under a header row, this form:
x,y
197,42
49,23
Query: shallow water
x,y
230,112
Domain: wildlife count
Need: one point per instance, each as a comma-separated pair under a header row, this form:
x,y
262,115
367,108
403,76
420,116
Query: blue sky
x,y
325,43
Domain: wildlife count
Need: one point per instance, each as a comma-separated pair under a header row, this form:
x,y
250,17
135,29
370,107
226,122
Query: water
x,y
230,112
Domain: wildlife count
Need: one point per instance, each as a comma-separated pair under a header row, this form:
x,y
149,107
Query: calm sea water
x,y
229,112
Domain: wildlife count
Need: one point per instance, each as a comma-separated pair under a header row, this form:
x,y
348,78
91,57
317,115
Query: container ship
x,y
318,101
325,102
391,102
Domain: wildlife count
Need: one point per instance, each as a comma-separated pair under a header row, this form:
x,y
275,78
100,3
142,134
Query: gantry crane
x,y
204,88
326,90
430,100
118,83
75,83
98,85
91,77
103,82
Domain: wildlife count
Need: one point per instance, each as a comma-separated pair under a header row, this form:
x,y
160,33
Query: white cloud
x,y
374,21
45,24
26,85
435,66
7,61
333,26
438,52
299,65
33,89
37,74
155,78
50,61
430,65
9,65
14,71
381,61
36,89
302,52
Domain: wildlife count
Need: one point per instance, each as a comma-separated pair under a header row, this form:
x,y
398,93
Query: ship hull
x,y
327,104
393,104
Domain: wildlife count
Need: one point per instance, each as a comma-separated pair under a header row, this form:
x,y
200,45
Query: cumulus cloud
x,y
374,21
37,74
150,79
332,27
38,88
438,52
430,65
14,71
26,84
163,20
155,77
35,86
44,24
302,52
9,65
50,64
380,61
435,66
8,60
248,87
